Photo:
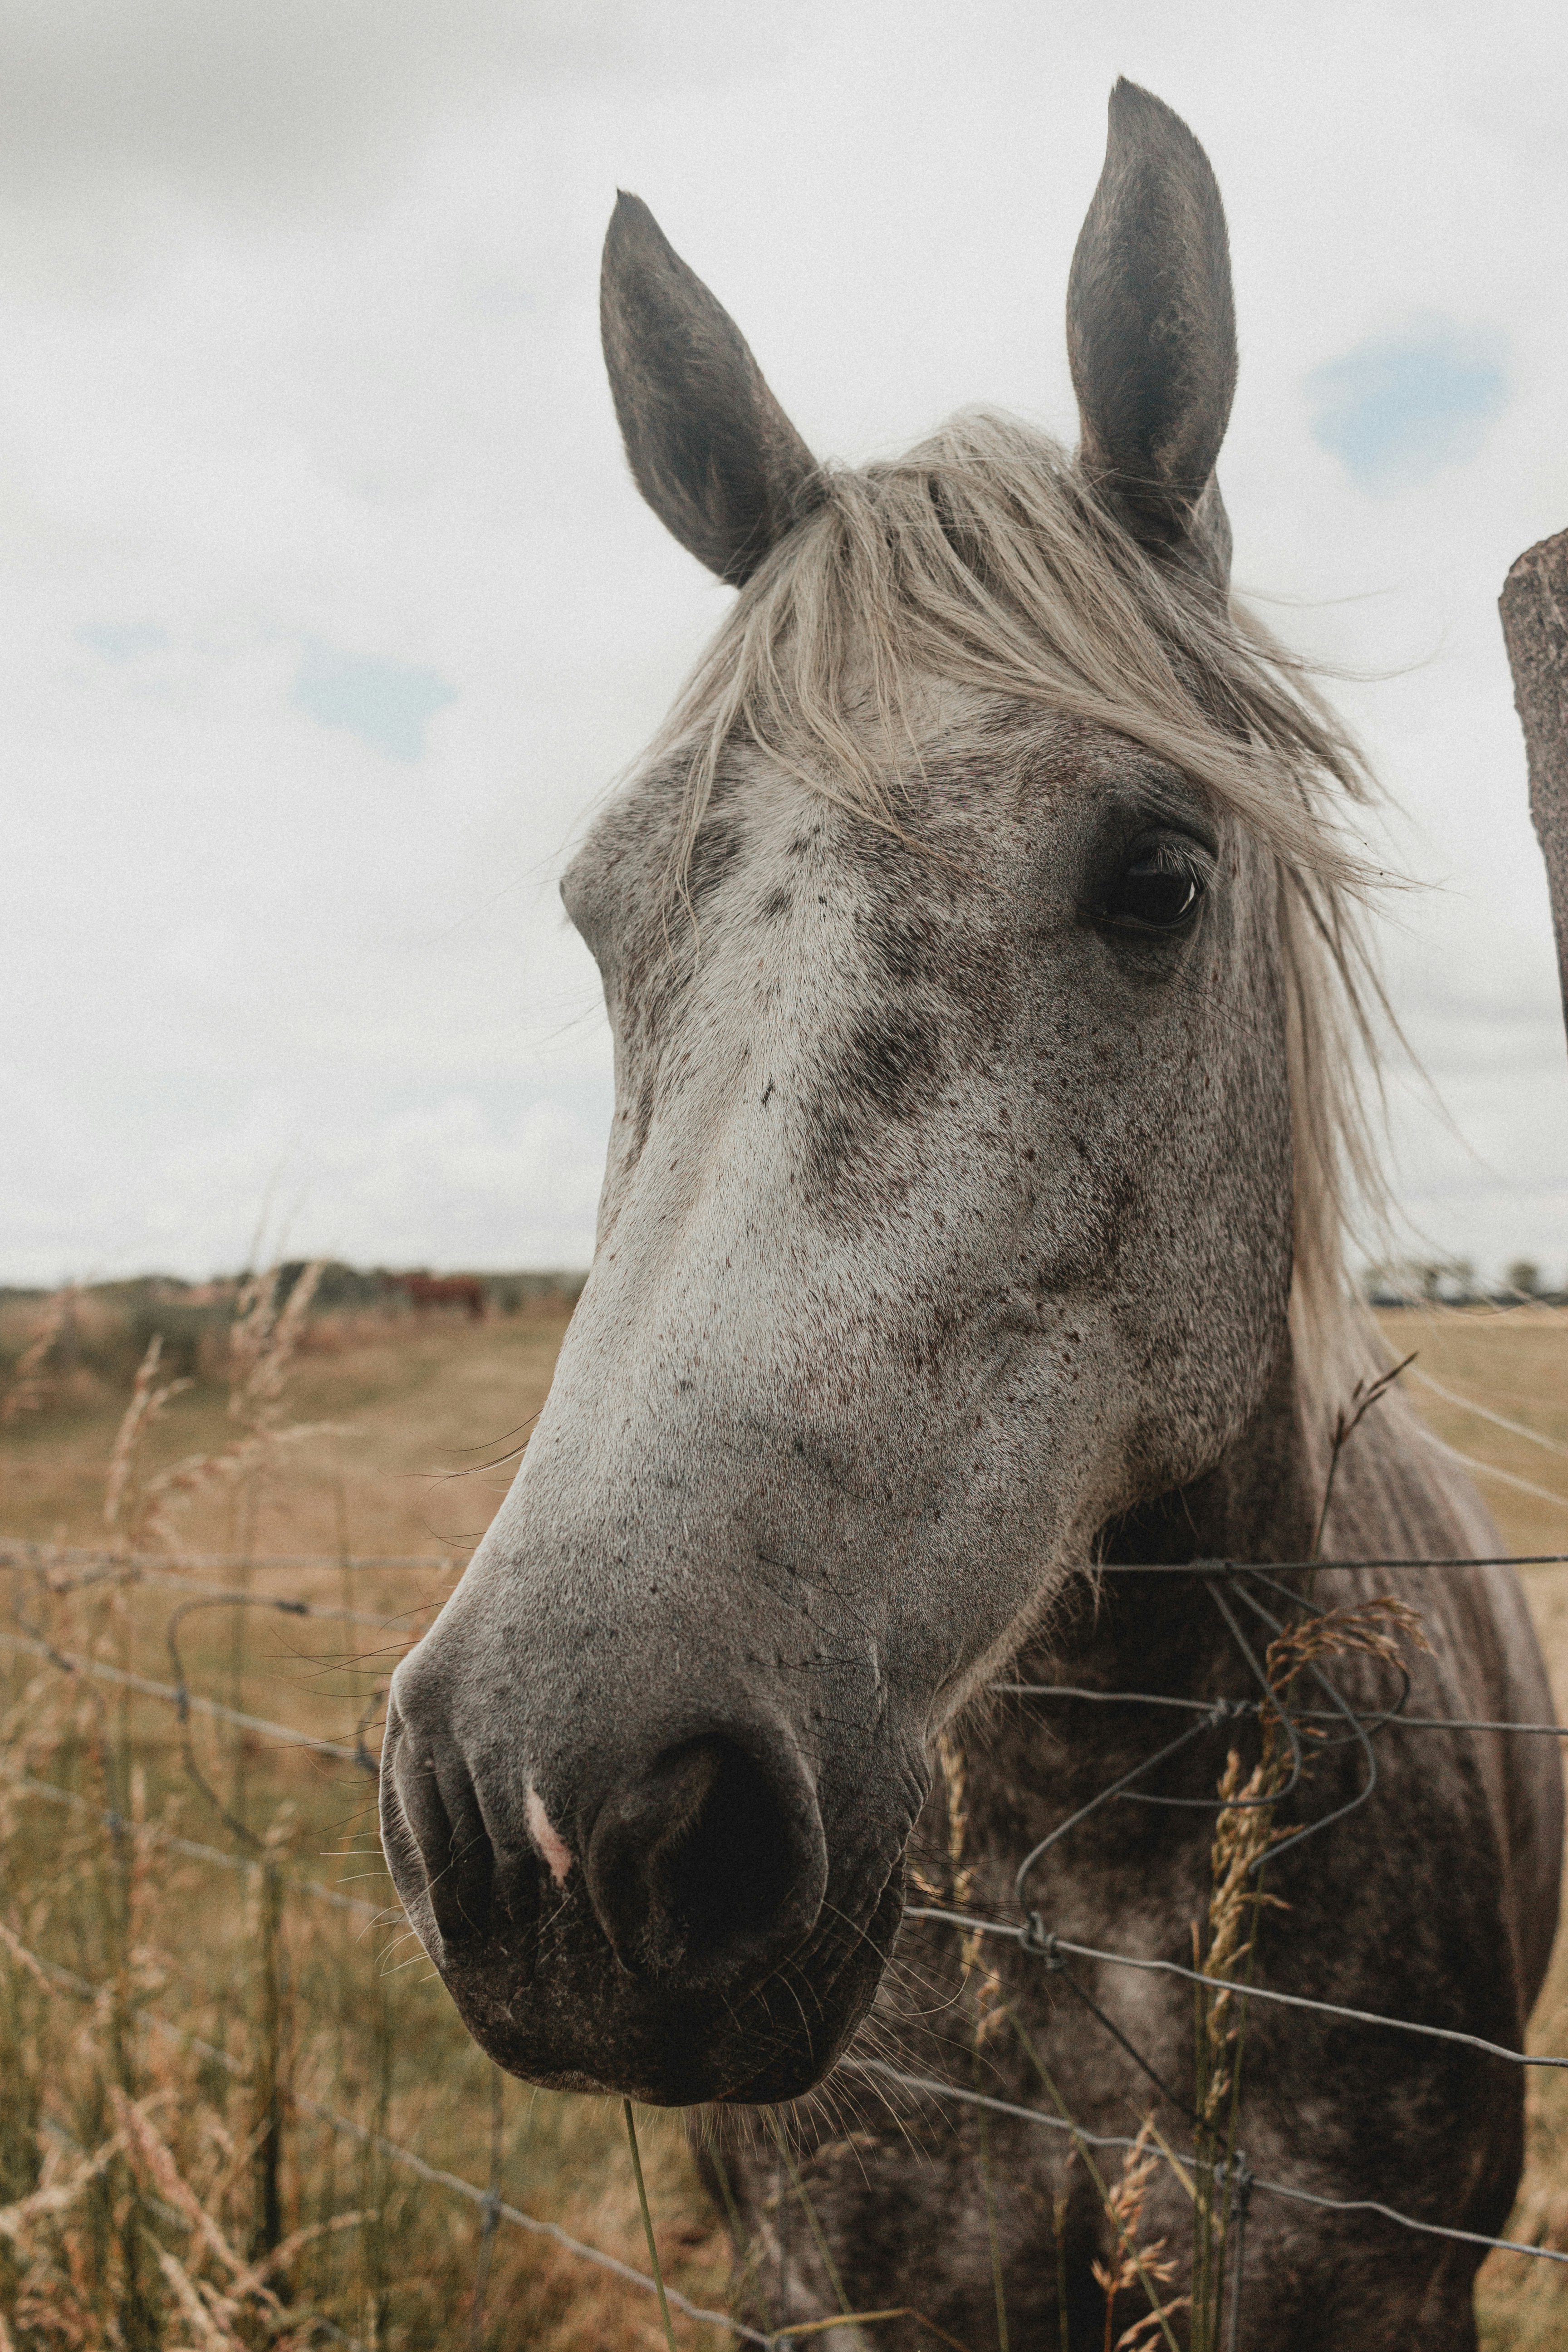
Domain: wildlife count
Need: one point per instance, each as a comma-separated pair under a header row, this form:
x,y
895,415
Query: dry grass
x,y
1515,1364
172,2028
432,1403
165,2023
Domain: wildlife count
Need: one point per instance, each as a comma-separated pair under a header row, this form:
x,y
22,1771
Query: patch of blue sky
x,y
1400,408
388,705
122,641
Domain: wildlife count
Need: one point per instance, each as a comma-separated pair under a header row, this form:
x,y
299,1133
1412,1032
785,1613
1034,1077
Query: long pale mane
x,y
984,557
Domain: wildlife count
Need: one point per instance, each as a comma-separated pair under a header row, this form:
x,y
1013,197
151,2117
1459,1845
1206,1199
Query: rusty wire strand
x,y
16,1552
934,2088
1053,1949
1035,1937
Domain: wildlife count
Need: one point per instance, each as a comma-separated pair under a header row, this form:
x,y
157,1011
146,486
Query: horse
x,y
426,1290
983,939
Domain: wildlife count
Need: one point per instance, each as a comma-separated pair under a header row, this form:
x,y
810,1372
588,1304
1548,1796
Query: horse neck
x,y
1261,1501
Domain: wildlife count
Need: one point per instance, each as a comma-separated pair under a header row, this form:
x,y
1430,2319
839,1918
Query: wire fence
x,y
70,1981
1246,1593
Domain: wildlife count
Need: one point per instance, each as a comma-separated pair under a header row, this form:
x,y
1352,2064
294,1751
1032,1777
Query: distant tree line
x,y
1454,1282
103,1328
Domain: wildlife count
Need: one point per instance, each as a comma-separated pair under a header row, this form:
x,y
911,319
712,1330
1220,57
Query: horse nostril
x,y
431,1804
708,1860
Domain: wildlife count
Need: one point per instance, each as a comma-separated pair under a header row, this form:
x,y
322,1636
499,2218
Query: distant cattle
x,y
428,1290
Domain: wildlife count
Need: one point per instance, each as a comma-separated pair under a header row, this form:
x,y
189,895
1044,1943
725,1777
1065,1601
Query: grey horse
x,y
981,940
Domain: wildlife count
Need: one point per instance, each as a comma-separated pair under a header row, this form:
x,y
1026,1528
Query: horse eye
x,y
1160,889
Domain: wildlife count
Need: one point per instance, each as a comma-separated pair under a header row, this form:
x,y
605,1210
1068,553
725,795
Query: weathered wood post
x,y
1534,608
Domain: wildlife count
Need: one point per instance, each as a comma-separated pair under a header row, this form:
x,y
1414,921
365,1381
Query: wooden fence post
x,y
1534,608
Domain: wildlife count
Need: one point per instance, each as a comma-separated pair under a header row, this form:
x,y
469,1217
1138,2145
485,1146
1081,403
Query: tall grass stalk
x,y
802,2199
1363,1397
1226,1949
1133,2256
801,2330
175,2021
378,2171
955,1771
988,2192
987,1997
491,2218
31,1383
656,2266
268,2061
1244,1834
1058,2226
239,1628
749,2278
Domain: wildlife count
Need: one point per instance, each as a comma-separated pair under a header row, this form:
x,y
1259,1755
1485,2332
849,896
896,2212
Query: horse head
x,y
956,937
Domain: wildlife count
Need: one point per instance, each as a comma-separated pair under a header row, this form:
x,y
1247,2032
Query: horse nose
x,y
434,1832
712,1860
438,1840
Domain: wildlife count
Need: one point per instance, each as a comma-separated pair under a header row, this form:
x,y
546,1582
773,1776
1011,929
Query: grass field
x,y
203,2019
291,1998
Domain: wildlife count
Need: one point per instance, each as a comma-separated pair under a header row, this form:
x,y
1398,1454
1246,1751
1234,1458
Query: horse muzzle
x,y
653,1907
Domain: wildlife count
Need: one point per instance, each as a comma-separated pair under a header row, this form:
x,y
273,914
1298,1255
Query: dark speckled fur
x,y
947,1241
1438,1902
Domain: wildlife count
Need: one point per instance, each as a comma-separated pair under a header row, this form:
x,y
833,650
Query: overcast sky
x,y
329,609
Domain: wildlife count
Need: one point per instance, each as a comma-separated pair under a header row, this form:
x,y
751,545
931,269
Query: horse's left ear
x,y
1151,333
713,453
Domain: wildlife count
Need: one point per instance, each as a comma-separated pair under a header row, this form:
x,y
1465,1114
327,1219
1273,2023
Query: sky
x,y
329,612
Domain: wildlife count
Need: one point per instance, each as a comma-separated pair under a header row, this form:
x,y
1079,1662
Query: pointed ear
x,y
1152,333
713,453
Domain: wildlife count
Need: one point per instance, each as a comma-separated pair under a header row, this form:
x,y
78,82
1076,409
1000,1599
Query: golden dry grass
x,y
433,1412
150,2021
431,1404
1514,1364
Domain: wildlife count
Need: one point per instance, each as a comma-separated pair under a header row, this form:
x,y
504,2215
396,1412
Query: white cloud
x,y
299,305
230,102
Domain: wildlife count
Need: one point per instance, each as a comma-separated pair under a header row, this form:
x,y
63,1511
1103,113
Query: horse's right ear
x,y
1152,333
713,453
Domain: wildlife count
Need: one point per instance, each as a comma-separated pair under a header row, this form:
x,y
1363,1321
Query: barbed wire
x,y
1227,1581
1484,1413
1030,1933
27,1551
175,1695
1280,1567
180,1695
1047,1946
111,1567
85,1989
1253,1708
154,1834
936,2088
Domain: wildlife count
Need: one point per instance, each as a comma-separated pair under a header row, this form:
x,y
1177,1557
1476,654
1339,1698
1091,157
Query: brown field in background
x,y
196,2019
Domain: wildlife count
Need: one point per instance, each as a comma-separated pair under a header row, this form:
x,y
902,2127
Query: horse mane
x,y
984,557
